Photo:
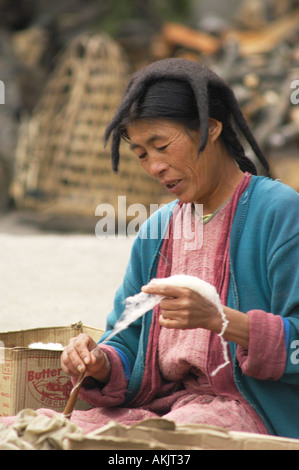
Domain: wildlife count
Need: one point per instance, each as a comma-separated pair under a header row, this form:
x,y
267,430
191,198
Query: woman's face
x,y
169,152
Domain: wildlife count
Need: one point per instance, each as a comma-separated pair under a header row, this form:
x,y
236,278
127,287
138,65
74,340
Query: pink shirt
x,y
186,351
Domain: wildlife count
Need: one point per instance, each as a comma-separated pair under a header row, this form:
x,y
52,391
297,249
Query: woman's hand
x,y
78,357
183,308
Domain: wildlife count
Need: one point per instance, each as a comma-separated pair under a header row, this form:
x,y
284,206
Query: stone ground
x,y
56,279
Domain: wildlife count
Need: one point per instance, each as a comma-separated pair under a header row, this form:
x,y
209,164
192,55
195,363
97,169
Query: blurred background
x,y
64,65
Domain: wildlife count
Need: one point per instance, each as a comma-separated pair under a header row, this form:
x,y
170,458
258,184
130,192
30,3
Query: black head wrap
x,y
204,83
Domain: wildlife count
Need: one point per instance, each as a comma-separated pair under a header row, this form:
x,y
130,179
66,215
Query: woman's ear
x,y
215,129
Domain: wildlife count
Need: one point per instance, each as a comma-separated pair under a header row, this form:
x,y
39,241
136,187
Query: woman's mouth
x,y
172,185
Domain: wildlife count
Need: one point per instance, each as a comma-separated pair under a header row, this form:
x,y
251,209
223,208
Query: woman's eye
x,y
162,148
143,155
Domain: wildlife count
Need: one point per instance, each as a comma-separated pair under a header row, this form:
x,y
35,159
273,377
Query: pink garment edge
x,y
266,356
111,394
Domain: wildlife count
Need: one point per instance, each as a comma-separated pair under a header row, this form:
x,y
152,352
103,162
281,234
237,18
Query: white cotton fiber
x,y
195,283
135,307
209,292
50,346
198,285
139,304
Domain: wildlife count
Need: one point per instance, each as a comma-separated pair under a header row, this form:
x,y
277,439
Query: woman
x,y
179,118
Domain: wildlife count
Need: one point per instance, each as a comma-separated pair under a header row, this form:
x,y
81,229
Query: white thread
x,y
77,385
223,342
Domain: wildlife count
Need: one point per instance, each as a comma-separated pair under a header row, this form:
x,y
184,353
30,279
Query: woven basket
x,y
61,166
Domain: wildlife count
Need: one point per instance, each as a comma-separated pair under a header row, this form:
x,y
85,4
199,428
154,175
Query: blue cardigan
x,y
264,275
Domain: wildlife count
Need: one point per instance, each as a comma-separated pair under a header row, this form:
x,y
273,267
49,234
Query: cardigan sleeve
x,y
265,277
265,357
283,275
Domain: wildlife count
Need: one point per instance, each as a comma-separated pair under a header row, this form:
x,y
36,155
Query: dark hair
x,y
189,93
165,99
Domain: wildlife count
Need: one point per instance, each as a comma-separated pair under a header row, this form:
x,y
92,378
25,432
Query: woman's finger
x,y
71,362
172,321
84,344
77,355
163,289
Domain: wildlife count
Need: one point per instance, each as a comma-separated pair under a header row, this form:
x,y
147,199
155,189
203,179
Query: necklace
x,y
206,218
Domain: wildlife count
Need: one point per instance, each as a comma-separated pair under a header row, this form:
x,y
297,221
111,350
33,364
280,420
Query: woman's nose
x,y
157,167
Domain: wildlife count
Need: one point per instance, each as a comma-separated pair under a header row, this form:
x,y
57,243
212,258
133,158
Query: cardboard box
x,y
33,378
161,434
